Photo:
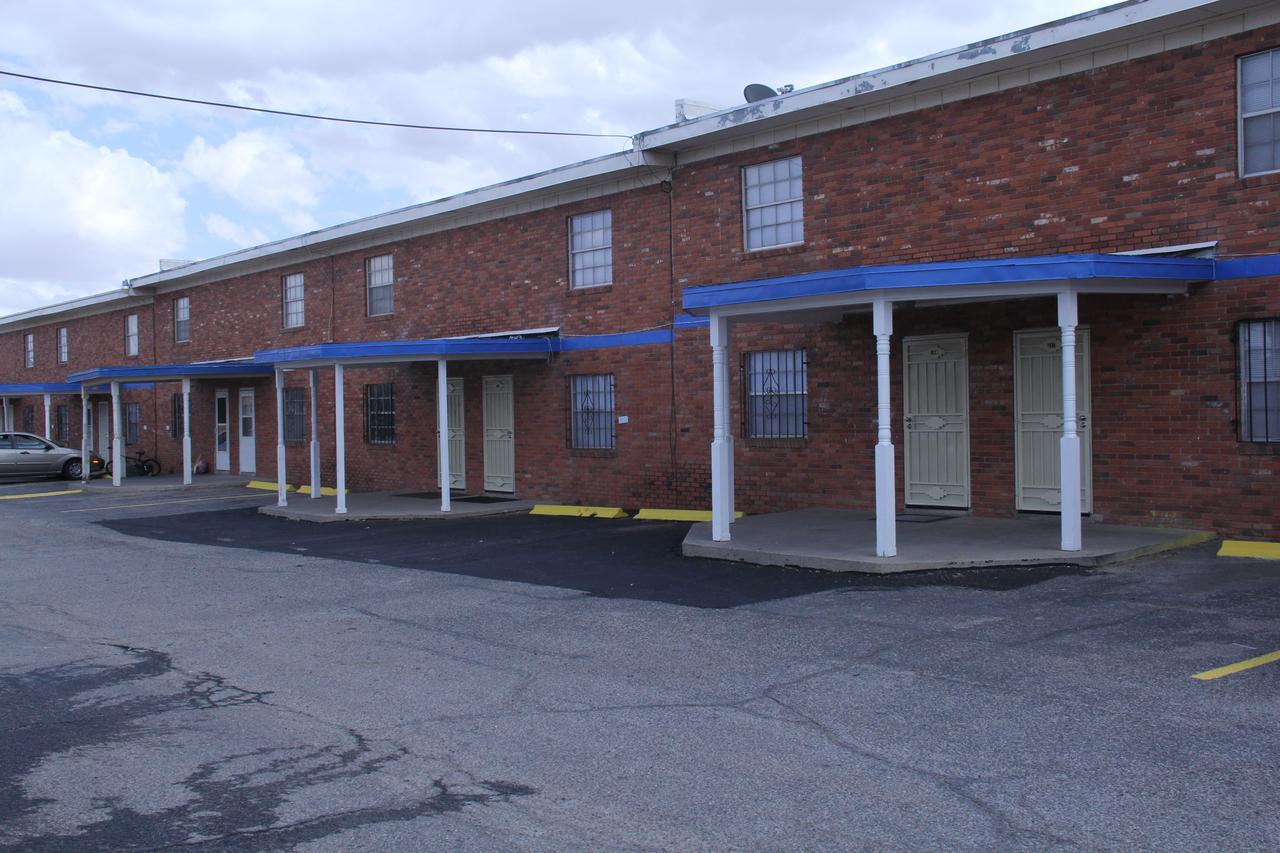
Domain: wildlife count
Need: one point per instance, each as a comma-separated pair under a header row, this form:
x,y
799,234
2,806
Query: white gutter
x,y
95,304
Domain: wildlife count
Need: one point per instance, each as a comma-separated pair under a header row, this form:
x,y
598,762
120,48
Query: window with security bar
x,y
295,313
1260,113
775,394
29,419
380,413
175,425
773,204
62,424
132,423
295,415
379,274
591,249
1259,380
591,412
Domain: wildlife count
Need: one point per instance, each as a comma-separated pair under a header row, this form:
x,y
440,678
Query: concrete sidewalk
x,y
167,483
844,541
388,506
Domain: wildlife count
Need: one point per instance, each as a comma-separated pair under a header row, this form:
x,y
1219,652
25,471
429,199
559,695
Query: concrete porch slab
x,y
386,506
837,540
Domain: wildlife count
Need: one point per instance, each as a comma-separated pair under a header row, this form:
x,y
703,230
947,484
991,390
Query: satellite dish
x,y
758,92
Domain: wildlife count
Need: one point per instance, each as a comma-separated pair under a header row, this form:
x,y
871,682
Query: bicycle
x,y
137,466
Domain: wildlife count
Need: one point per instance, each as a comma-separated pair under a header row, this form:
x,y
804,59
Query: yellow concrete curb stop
x,y
1257,550
578,511
677,515
325,491
266,486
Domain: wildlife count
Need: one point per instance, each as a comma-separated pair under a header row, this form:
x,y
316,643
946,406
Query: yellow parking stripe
x,y
1232,668
1258,550
39,495
166,503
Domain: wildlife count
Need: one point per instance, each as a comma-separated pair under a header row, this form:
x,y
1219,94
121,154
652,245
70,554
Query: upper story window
x,y
591,412
131,334
295,313
29,350
182,319
773,204
1259,380
64,352
1260,113
591,249
379,276
776,394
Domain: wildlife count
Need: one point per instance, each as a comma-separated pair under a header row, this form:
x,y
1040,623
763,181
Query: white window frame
x,y
64,349
293,296
182,320
1242,116
795,366
576,251
748,207
389,284
131,347
29,350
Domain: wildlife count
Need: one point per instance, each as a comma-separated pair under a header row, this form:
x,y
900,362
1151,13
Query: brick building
x,y
885,271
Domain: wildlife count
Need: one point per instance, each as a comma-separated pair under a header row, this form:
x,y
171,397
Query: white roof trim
x,y
1184,249
517,333
96,304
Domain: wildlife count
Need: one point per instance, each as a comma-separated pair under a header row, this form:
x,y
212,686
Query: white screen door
x,y
457,436
1038,416
221,431
248,429
936,420
499,435
104,430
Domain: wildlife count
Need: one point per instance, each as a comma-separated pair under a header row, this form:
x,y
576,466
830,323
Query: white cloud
x,y
240,236
76,218
258,170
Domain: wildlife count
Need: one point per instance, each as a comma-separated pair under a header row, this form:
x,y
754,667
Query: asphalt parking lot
x,y
177,671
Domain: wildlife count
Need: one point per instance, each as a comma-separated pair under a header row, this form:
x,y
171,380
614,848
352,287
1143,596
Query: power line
x,y
245,108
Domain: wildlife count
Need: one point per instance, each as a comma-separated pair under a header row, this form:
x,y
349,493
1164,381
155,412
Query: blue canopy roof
x,y
170,372
23,389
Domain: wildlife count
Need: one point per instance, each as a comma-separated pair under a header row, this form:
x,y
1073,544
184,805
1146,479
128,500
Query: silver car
x,y
25,455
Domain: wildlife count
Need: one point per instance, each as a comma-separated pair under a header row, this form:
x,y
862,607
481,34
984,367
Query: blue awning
x,y
853,281
171,372
29,389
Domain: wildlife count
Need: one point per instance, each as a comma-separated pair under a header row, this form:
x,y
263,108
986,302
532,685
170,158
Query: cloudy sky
x,y
97,187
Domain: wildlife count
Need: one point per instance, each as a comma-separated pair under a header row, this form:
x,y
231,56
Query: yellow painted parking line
x,y
677,515
1233,668
579,511
166,503
1257,550
40,495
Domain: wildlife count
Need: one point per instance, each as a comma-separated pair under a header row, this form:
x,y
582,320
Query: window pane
x,y
590,252
773,203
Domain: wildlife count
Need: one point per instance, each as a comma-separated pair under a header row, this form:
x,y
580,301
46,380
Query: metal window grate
x,y
132,422
773,204
591,412
175,425
181,320
1260,113
591,249
775,394
295,415
1259,380
62,423
295,313
380,413
379,276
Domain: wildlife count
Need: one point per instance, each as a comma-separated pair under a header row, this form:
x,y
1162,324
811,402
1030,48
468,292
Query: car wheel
x,y
72,470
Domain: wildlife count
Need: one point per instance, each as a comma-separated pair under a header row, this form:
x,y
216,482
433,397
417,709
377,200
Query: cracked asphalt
x,y
196,676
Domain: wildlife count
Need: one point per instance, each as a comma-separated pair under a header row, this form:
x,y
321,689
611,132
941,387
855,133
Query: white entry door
x,y
104,430
499,435
457,436
1038,419
248,430
936,420
221,431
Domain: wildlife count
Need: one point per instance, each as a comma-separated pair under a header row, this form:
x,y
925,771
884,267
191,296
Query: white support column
x,y
1069,445
48,428
721,443
282,486
86,465
442,421
886,485
340,439
117,441
186,432
4,415
315,434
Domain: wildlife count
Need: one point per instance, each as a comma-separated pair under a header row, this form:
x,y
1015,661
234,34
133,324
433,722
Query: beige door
x,y
936,420
104,430
457,436
248,431
499,435
1038,419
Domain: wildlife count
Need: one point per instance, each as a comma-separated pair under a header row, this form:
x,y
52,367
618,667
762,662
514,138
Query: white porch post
x,y
886,487
315,434
442,420
282,487
4,415
48,429
186,432
117,442
721,443
340,438
1069,446
86,465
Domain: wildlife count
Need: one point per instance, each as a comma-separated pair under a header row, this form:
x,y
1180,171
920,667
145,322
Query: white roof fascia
x,y
1025,48
98,303
401,222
